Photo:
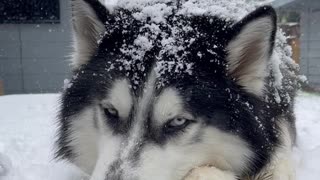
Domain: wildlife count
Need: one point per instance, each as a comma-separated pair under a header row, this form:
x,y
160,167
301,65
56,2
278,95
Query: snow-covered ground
x,y
27,128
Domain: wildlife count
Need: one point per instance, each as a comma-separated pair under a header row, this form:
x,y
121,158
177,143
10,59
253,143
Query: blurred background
x,y
35,42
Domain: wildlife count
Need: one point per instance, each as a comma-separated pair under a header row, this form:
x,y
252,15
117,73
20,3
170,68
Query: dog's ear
x,y
250,49
88,19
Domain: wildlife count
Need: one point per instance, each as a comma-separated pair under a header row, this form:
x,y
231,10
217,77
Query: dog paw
x,y
210,173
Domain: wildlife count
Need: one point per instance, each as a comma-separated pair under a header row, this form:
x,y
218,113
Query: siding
x,y
310,43
33,56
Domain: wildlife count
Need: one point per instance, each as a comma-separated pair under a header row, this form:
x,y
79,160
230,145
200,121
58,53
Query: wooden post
x,y
1,88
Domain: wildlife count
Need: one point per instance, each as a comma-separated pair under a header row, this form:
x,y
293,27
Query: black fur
x,y
209,92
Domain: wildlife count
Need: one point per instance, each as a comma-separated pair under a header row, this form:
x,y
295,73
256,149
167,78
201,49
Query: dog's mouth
x,y
196,172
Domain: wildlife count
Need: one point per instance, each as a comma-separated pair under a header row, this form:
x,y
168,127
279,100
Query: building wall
x,y
33,57
310,42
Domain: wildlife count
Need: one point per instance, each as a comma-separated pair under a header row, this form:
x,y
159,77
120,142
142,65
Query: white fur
x,y
91,144
225,152
248,55
84,140
127,145
95,148
100,147
167,106
176,159
210,173
86,28
109,146
120,98
138,128
282,165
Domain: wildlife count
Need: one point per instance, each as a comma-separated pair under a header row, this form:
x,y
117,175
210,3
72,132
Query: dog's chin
x,y
213,173
209,172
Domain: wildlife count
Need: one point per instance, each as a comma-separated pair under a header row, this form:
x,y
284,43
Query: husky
x,y
183,97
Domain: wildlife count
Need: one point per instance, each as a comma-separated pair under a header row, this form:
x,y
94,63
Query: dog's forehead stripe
x,y
137,130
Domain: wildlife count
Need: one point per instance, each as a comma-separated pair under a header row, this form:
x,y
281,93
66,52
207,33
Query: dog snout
x,y
120,170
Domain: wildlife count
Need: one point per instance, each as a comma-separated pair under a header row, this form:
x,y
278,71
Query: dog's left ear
x,y
250,49
88,21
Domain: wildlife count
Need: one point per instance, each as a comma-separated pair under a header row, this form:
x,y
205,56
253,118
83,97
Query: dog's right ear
x,y
88,20
250,49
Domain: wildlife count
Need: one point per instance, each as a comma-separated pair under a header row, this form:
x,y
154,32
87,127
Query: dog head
x,y
154,98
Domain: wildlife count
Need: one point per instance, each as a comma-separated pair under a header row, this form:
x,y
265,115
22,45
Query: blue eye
x,y
177,124
110,111
112,116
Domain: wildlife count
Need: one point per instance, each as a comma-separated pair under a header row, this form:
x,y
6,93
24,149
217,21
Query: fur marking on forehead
x,y
163,44
168,44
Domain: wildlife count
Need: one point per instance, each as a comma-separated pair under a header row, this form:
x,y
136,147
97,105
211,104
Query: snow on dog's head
x,y
162,88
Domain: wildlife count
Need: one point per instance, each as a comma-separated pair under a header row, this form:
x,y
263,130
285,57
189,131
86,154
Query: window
x,y
29,11
289,21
